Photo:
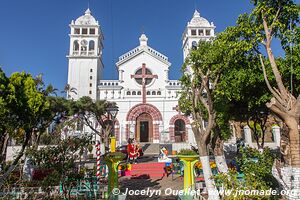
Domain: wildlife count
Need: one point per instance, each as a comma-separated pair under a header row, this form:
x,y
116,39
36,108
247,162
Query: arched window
x,y
148,92
159,93
133,93
83,45
179,130
91,45
139,93
153,93
128,93
194,45
76,45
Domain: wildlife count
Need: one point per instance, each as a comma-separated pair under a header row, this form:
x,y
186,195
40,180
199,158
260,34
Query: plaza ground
x,y
142,183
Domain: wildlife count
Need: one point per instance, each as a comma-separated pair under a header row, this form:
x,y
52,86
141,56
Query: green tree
x,y
68,90
4,136
255,178
201,76
28,112
242,87
223,85
63,162
89,111
270,20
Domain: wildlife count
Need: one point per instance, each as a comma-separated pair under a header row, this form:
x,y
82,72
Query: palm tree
x,y
39,82
68,89
50,90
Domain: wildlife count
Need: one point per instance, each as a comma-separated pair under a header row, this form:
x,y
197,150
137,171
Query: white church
x,y
147,99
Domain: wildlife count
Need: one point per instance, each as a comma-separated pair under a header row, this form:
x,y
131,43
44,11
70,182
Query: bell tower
x,y
197,29
85,57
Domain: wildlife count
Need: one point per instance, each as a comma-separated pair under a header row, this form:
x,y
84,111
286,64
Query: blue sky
x,y
34,34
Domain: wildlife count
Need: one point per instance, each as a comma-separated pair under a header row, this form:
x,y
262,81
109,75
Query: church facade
x,y
146,97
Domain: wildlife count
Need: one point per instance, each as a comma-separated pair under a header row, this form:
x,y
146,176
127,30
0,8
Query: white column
x,y
163,137
166,75
276,135
247,134
212,31
191,137
132,130
121,72
105,94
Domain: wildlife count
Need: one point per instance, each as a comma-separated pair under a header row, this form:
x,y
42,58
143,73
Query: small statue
x,y
163,156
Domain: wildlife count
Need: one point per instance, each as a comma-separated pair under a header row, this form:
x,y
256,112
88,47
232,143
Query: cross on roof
x,y
144,76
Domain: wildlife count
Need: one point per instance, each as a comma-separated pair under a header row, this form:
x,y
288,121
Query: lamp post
x,y
112,112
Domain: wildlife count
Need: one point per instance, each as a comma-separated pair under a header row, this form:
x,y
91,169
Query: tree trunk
x,y
294,176
3,148
294,144
209,181
4,177
291,173
218,149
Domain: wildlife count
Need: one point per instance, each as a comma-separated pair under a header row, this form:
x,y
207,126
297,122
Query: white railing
x,y
108,83
156,53
148,49
174,83
126,55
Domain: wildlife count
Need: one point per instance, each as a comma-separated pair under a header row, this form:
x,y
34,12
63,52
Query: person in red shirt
x,y
132,151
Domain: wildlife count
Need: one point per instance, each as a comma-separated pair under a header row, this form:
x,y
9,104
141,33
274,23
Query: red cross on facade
x,y
144,76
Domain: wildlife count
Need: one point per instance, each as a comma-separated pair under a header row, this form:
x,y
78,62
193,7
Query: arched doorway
x,y
144,113
144,128
179,130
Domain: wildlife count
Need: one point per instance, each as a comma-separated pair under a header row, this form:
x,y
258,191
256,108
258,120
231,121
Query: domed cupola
x,y
198,21
197,29
86,19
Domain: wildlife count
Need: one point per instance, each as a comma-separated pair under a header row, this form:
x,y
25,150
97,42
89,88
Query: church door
x,y
180,132
144,128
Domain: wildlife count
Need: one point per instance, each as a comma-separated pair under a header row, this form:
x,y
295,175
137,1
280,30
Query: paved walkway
x,y
163,186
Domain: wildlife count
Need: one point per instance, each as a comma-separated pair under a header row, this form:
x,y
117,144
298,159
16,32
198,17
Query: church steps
x,y
150,148
151,170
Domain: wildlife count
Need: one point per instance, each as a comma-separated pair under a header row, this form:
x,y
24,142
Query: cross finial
x,y
143,40
143,30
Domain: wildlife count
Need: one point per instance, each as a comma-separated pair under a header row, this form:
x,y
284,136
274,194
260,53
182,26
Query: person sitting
x,y
132,151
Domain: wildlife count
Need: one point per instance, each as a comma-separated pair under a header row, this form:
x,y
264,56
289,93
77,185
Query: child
x,y
131,151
